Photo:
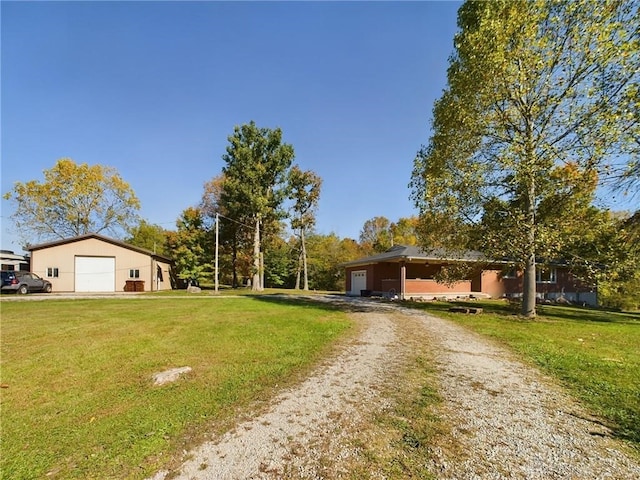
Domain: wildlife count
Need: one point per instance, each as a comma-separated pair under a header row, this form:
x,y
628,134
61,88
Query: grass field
x,y
594,353
78,400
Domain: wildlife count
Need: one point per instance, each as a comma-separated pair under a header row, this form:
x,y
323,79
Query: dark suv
x,y
23,282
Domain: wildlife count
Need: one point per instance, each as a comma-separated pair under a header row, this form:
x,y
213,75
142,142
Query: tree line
x,y
265,223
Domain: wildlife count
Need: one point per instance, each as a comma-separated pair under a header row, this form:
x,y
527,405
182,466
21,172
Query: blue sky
x,y
154,89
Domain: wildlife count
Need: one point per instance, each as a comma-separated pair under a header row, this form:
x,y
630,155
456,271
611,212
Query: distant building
x,y
11,261
411,273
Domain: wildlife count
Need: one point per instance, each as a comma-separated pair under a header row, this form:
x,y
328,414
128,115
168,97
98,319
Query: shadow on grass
x,y
586,314
337,302
545,312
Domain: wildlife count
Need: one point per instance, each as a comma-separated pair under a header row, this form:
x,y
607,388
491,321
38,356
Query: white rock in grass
x,y
169,376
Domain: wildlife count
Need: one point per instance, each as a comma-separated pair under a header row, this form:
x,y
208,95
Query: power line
x,y
235,221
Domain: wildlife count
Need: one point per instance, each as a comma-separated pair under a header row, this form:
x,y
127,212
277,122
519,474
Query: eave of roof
x,y
400,253
97,236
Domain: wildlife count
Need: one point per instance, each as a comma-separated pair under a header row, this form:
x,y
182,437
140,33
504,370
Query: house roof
x,y
87,236
400,253
9,255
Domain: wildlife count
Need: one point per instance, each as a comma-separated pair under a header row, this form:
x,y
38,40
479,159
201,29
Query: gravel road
x,y
505,419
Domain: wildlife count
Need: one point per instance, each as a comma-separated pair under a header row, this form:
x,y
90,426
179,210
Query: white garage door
x,y
358,281
95,274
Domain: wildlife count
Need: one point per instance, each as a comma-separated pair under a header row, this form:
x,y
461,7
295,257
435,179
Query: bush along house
x,y
411,273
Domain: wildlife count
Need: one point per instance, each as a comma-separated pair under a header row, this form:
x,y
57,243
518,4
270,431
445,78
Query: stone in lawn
x,y
169,376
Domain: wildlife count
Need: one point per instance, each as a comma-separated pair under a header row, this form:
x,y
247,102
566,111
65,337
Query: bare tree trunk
x,y
529,281
529,288
304,260
298,270
256,284
234,264
261,270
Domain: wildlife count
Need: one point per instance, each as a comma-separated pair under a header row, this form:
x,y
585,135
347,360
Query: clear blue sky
x,y
154,89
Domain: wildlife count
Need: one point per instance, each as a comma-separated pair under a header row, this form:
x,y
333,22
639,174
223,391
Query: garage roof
x,y
113,241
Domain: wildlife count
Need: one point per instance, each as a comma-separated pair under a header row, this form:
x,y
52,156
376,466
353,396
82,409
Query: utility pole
x,y
216,266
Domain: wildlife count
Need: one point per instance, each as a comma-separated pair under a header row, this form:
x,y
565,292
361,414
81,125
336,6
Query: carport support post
x,y
403,277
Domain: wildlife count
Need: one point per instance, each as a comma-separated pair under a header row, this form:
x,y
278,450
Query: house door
x,y
358,281
95,274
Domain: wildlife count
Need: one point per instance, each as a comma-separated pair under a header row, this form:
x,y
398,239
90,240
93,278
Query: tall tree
x,y
534,87
304,190
255,174
73,200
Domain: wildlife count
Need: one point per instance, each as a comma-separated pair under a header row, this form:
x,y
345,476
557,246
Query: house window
x,y
546,275
52,272
134,273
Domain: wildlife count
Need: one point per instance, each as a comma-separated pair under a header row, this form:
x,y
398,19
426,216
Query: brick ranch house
x,y
409,272
95,263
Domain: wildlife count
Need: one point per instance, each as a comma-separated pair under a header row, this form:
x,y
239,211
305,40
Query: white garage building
x,y
95,263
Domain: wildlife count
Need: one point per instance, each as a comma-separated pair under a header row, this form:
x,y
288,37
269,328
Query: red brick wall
x,y
490,282
431,286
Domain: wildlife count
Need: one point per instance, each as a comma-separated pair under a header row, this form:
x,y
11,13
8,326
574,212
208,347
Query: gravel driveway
x,y
505,419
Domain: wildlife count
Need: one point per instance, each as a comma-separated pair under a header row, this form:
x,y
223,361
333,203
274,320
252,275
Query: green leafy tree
x,y
188,246
405,231
304,191
254,183
326,255
625,177
277,263
74,199
608,254
149,236
376,235
533,87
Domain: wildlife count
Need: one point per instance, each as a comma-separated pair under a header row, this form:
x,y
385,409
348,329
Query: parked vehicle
x,y
23,282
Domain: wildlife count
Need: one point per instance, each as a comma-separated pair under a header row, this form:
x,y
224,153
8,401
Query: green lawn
x,y
594,353
78,399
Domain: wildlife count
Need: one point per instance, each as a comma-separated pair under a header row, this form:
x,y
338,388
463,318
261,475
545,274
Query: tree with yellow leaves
x,y
74,199
541,103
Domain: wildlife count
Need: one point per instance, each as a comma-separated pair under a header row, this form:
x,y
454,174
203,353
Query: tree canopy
x,y
149,236
541,102
189,246
74,199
